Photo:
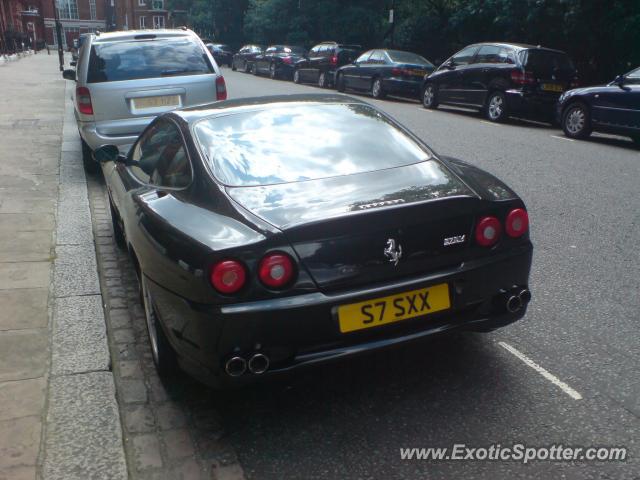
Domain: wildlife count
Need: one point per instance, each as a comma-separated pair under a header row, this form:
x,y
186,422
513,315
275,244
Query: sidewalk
x,y
58,414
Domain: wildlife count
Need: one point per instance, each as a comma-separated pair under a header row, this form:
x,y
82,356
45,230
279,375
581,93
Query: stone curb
x,y
83,434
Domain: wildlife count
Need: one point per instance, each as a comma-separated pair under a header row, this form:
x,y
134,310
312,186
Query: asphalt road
x,y
351,420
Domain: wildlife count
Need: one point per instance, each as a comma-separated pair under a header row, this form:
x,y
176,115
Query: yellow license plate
x,y
552,87
160,101
394,308
417,73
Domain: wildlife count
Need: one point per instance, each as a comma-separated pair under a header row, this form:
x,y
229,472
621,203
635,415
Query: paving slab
x,y
84,437
79,342
24,275
23,354
22,398
75,271
19,442
24,308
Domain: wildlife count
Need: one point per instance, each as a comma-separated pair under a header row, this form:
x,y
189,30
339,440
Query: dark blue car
x,y
612,108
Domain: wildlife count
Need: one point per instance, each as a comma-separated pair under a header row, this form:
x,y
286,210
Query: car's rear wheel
x,y
496,109
576,121
233,65
430,96
247,67
164,357
296,76
90,165
340,82
272,71
118,232
376,89
322,80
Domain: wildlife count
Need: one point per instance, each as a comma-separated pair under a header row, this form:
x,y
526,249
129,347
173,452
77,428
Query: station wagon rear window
x,y
303,142
149,58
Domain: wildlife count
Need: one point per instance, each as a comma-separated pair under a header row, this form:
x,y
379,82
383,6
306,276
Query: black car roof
x,y
517,46
192,114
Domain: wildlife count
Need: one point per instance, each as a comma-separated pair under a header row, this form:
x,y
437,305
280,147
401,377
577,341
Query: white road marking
x,y
549,376
490,123
563,138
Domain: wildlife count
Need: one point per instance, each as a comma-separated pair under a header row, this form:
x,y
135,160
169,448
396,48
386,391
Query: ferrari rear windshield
x,y
298,142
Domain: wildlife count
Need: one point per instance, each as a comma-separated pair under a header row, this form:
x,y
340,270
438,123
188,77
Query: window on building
x,y
92,9
157,4
142,3
158,21
67,9
143,23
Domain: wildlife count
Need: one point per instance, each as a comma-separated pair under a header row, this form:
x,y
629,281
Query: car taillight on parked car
x,y
287,60
522,78
228,276
517,222
83,100
221,88
488,231
276,270
334,60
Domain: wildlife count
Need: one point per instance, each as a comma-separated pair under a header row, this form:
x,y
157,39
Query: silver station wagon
x,y
125,79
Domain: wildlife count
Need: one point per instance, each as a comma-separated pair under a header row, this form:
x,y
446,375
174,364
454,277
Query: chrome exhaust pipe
x,y
514,303
235,366
524,296
258,363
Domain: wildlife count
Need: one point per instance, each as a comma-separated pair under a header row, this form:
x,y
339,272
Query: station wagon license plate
x,y
394,308
552,87
159,101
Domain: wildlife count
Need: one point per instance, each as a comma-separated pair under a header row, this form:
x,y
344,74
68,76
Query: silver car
x,y
125,79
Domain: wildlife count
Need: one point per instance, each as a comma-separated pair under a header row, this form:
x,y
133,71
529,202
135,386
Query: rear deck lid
x,y
341,180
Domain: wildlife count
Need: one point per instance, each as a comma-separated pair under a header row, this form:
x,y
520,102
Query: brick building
x,y
20,24
76,17
141,14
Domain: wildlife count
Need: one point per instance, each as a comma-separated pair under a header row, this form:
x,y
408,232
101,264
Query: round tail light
x,y
276,270
517,222
488,231
228,276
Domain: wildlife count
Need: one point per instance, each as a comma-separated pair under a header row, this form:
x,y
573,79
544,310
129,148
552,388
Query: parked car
x,y
278,61
125,79
245,57
502,79
320,65
612,108
222,54
383,72
253,261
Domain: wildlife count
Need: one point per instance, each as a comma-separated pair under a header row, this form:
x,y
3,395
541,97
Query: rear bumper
x,y
301,331
95,139
535,104
402,87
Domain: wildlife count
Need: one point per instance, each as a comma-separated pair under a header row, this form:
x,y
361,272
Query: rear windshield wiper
x,y
178,71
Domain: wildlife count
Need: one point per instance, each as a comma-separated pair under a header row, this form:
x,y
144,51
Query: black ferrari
x,y
274,233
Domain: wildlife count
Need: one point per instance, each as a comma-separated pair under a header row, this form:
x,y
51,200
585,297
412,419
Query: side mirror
x,y
450,65
619,80
69,74
108,153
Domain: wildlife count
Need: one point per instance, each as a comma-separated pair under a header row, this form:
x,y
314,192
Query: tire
x,y
322,80
296,76
90,165
496,109
272,71
254,70
576,121
164,357
340,83
247,67
376,89
118,232
233,65
430,96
